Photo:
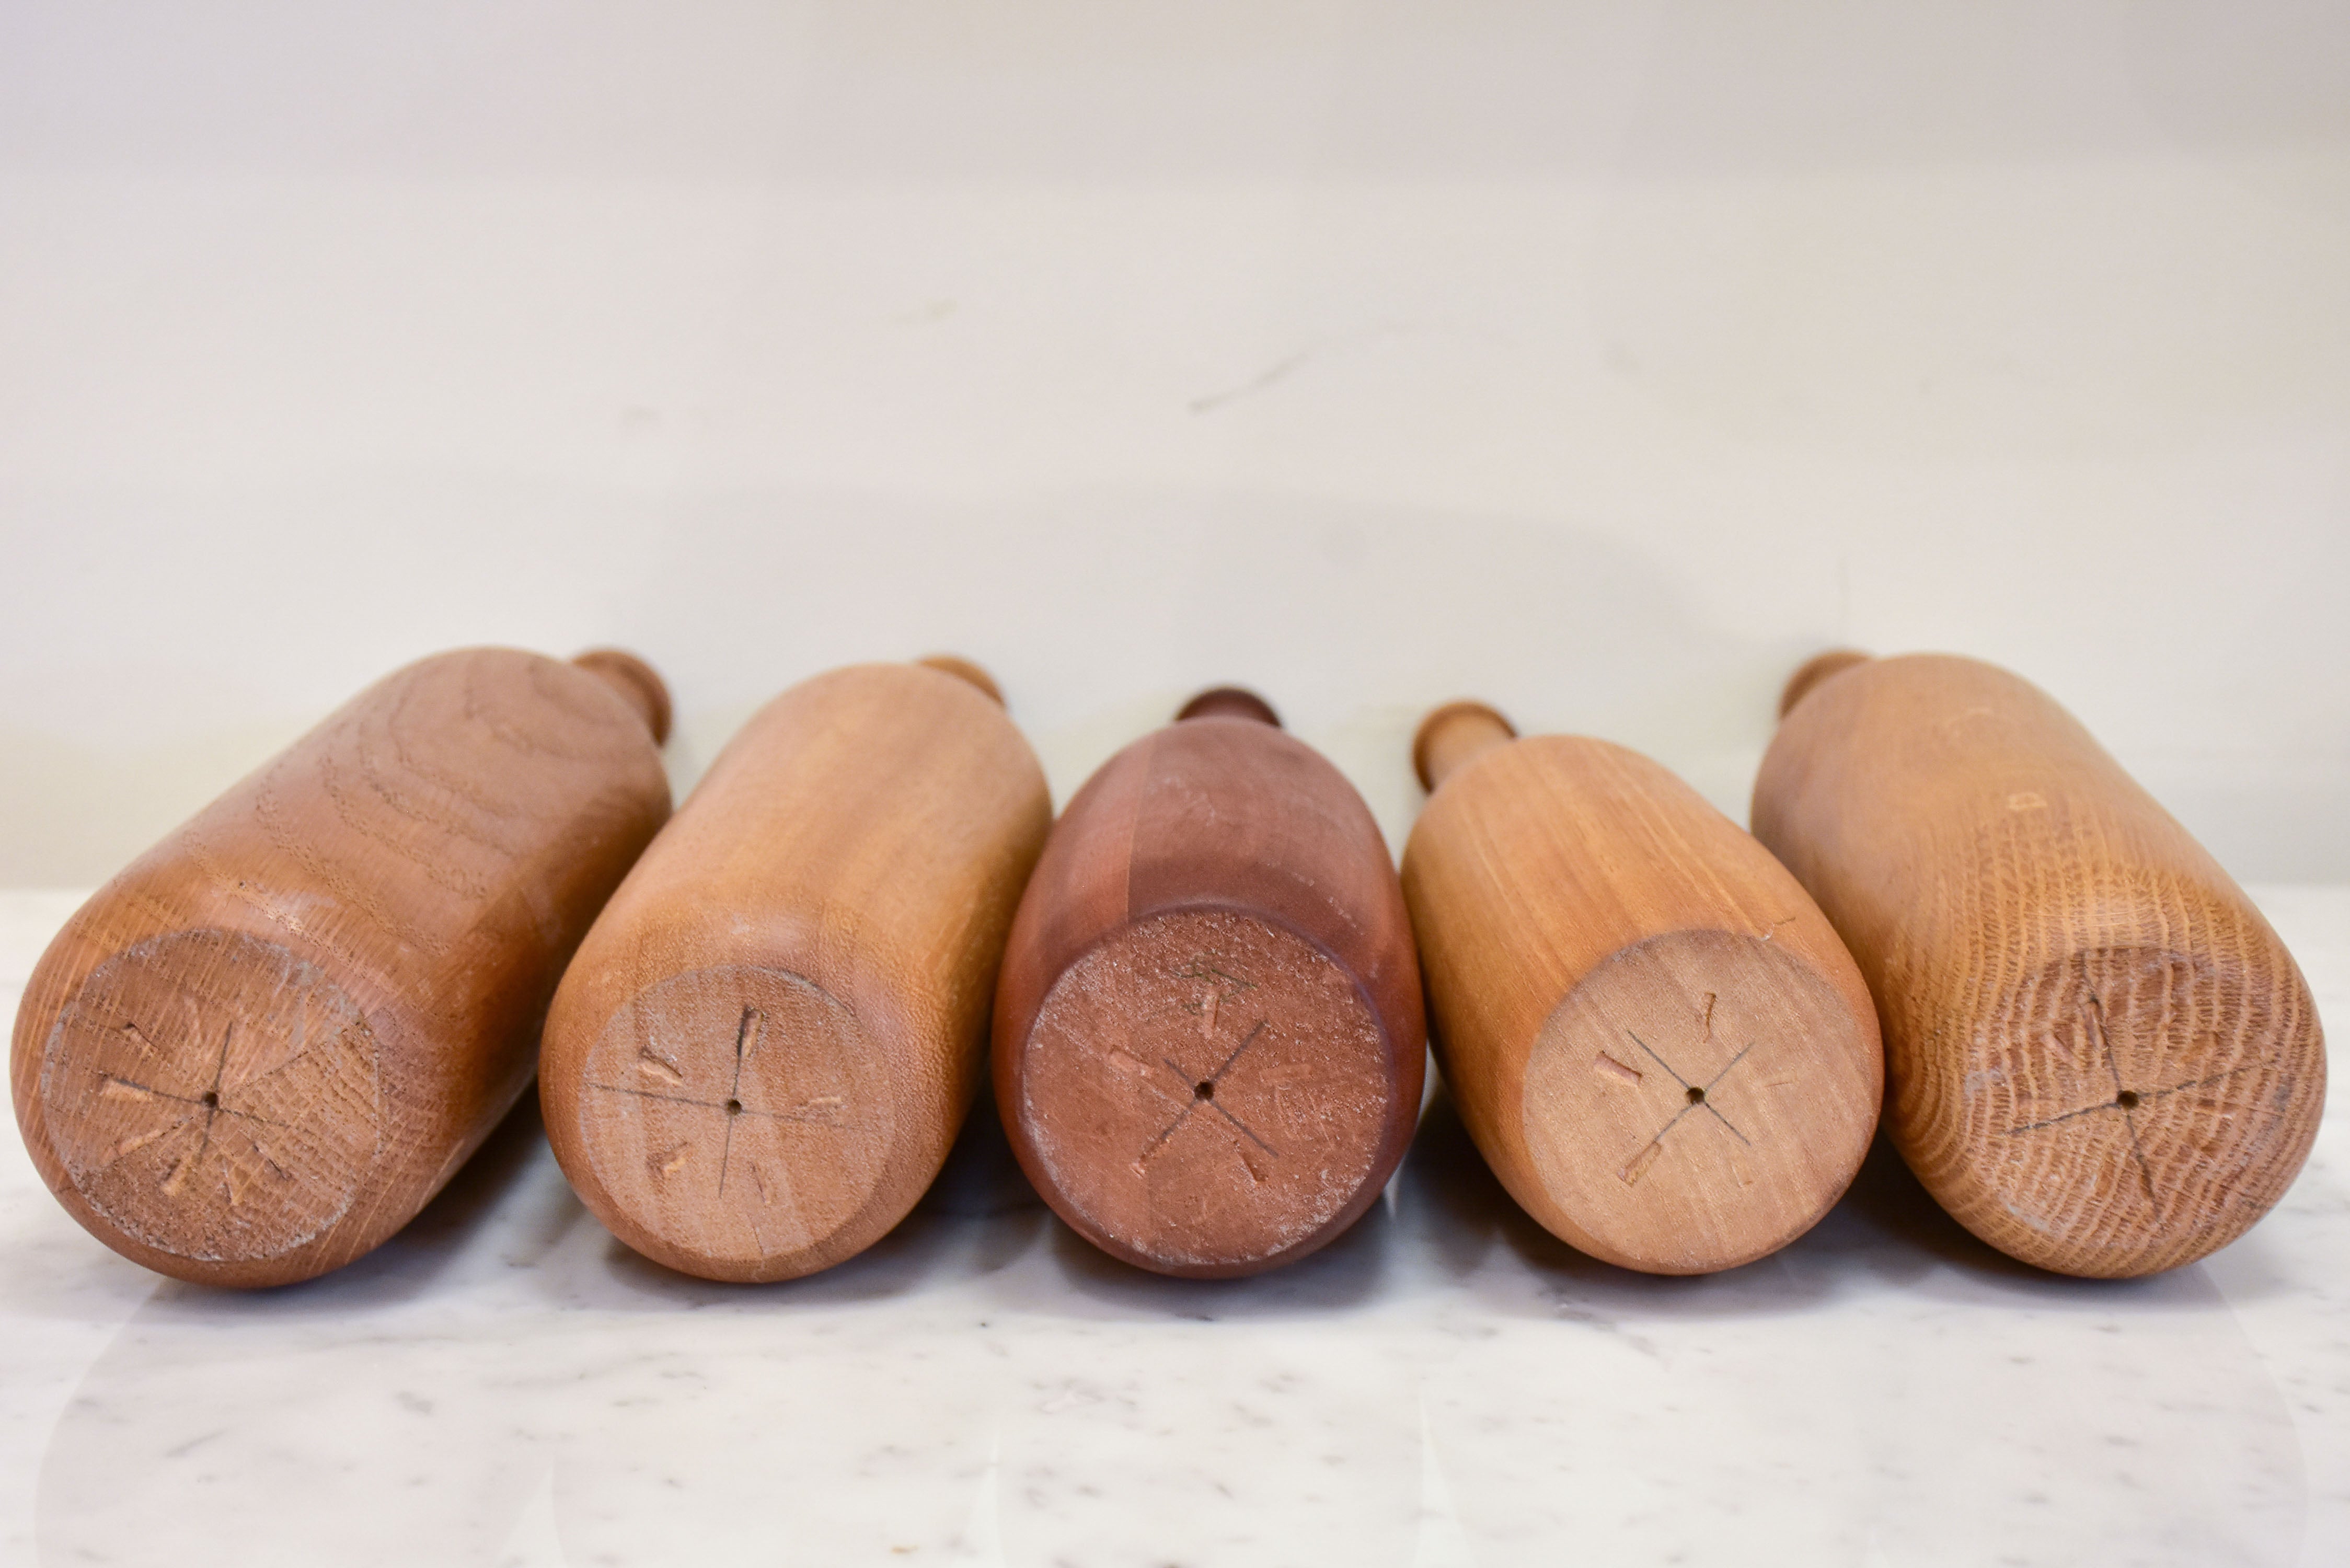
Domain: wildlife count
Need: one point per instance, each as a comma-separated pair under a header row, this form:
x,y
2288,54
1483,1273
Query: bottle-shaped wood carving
x,y
1209,1037
1653,1034
759,1059
258,1051
2101,1059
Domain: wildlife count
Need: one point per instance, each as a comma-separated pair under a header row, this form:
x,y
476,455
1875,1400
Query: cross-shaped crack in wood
x,y
1203,1092
1696,1098
2127,1102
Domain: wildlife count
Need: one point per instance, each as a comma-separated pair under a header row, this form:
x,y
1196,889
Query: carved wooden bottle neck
x,y
962,668
1814,670
634,680
1229,702
1451,736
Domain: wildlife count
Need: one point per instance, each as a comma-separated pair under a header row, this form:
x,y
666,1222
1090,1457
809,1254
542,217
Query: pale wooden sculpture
x,y
1209,1038
759,1059
1658,1043
2101,1059
258,1051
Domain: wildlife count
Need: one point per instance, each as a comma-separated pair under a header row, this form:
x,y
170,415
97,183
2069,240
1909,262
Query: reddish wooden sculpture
x,y
2102,1059
762,1054
258,1051
1209,1042
1652,1033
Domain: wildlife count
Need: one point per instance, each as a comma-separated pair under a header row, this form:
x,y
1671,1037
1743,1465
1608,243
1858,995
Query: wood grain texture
x,y
258,1051
1209,1037
2102,1059
1652,1033
756,1064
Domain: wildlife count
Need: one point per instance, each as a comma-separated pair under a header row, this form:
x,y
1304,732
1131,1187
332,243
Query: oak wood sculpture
x,y
2101,1059
262,1047
760,1058
1652,1033
1209,1036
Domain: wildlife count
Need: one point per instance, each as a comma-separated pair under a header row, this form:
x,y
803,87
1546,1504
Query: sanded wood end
x,y
738,1123
2122,1110
1696,1102
213,1097
1205,1092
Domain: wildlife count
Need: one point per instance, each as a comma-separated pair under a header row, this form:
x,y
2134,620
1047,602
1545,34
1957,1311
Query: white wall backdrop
x,y
1602,359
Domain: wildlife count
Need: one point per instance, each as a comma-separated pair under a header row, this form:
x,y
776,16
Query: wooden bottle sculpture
x,y
2102,1059
759,1059
1652,1033
1209,1039
258,1051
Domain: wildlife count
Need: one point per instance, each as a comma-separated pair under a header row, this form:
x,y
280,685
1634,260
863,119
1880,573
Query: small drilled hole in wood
x,y
733,1107
211,1099
1696,1096
1203,1090
2127,1099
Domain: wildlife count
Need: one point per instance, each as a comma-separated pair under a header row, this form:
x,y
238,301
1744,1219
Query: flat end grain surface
x,y
744,1116
2101,1058
1653,1036
1206,1089
213,1095
1695,1103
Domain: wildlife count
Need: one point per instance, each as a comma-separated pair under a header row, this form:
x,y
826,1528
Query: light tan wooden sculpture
x,y
759,1059
258,1051
1209,1041
1658,1043
2101,1059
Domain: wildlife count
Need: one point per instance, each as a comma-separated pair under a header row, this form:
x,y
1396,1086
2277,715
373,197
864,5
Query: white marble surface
x,y
505,1384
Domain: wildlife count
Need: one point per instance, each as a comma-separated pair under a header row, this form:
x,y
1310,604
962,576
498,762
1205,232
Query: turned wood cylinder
x,y
1652,1033
258,1051
1209,1038
758,1060
2101,1059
